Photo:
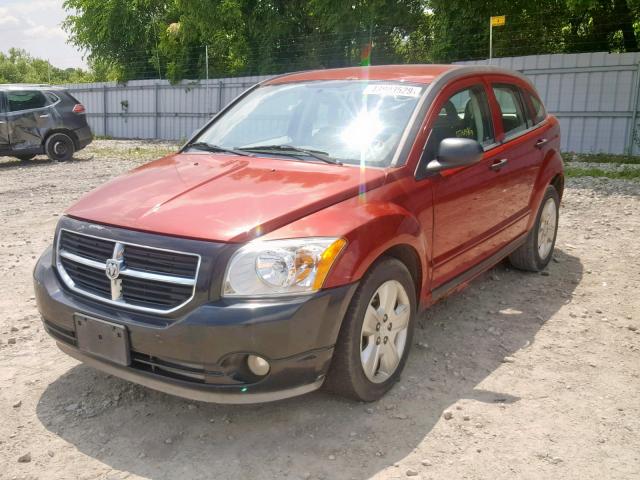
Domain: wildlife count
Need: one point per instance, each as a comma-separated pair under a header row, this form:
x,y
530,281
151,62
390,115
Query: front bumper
x,y
200,354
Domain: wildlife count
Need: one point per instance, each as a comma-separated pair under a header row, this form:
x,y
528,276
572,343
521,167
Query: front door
x,y
28,118
468,202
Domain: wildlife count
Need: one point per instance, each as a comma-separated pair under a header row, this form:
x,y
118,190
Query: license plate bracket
x,y
103,339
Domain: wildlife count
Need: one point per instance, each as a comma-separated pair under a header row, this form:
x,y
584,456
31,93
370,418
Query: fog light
x,y
258,365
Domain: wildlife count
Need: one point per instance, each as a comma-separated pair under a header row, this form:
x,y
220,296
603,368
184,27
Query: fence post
x,y
104,110
156,128
220,87
634,116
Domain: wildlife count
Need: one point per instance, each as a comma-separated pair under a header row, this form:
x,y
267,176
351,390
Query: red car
x,y
294,240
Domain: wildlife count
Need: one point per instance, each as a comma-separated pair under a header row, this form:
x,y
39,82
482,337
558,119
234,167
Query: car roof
x,y
425,74
404,73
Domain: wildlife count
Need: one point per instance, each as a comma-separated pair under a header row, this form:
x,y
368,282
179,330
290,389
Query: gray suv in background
x,y
36,119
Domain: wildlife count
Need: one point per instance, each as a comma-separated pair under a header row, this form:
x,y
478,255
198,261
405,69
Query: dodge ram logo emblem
x,y
113,269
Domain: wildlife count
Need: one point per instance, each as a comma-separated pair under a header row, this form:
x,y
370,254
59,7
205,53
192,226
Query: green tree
x,y
122,34
131,39
17,66
601,25
545,26
140,38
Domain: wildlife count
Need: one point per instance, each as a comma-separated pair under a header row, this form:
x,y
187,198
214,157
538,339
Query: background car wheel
x,y
59,147
536,252
376,333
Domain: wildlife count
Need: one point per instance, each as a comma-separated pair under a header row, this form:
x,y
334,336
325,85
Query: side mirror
x,y
454,153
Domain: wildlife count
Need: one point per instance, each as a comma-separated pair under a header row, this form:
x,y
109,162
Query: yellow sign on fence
x,y
498,21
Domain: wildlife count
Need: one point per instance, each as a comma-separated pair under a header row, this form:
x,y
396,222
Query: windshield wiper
x,y
208,147
317,154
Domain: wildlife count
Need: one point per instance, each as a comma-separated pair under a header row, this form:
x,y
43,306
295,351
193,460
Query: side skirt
x,y
446,288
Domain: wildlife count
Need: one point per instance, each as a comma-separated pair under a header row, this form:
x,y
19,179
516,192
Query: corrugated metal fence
x,y
594,95
155,109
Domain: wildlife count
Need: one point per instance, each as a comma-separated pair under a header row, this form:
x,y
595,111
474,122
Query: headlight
x,y
281,267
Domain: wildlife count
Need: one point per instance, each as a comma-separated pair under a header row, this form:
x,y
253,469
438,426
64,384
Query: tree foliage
x,y
17,66
544,26
130,39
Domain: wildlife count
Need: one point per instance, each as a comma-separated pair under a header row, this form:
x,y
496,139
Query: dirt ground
x,y
538,375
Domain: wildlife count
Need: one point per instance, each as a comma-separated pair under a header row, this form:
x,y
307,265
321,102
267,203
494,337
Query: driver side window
x,y
465,114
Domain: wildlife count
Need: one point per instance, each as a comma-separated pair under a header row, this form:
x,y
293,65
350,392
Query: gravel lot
x,y
519,376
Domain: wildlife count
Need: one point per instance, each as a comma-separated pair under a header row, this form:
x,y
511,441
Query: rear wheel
x,y
59,147
25,158
376,334
535,254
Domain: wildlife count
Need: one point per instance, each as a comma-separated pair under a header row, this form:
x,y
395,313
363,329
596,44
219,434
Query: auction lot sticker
x,y
395,90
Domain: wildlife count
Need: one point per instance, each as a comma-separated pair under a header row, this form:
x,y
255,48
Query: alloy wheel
x,y
384,331
547,228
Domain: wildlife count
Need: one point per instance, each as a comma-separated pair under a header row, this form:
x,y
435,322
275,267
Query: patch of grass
x,y
600,158
626,174
147,152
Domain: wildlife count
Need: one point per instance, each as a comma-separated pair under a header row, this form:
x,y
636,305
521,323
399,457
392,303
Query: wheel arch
x,y
66,131
558,184
409,256
551,173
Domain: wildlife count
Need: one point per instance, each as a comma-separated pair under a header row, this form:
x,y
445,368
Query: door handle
x,y
46,115
498,164
541,143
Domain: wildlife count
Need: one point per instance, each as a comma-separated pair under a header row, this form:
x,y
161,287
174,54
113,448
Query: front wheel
x,y
535,254
59,147
376,334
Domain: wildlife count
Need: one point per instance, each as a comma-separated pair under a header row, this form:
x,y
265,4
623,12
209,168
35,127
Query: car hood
x,y
220,197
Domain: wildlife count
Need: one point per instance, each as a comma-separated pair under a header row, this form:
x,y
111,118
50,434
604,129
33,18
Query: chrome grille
x,y
91,247
88,278
158,261
133,276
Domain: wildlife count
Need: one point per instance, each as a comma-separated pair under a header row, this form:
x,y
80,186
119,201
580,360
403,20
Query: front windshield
x,y
356,122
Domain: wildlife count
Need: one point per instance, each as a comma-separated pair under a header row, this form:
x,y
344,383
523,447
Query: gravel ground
x,y
519,376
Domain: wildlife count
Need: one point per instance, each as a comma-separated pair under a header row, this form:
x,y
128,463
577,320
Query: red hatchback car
x,y
293,241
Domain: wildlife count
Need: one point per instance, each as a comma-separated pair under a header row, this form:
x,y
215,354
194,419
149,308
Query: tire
x,y
59,147
531,255
25,158
347,375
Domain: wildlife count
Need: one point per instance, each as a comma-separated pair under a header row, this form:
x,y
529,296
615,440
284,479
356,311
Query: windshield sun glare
x,y
356,122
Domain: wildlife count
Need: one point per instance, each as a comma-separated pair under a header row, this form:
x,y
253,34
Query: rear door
x,y
4,126
29,118
523,142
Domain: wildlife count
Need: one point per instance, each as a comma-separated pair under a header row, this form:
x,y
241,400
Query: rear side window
x,y
512,112
52,97
538,113
25,100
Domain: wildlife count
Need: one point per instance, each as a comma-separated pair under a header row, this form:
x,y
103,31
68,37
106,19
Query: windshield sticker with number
x,y
395,90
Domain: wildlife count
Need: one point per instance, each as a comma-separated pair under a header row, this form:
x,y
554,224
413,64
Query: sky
x,y
34,25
